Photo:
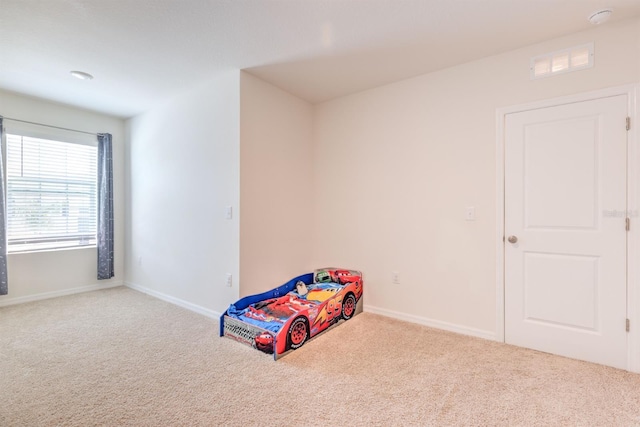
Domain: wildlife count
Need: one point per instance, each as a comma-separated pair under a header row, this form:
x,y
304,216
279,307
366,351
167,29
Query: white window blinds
x,y
51,193
562,61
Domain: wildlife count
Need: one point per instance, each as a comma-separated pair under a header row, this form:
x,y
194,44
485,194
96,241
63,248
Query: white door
x,y
565,203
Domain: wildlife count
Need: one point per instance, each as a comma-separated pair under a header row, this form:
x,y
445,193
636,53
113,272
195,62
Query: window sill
x,y
31,251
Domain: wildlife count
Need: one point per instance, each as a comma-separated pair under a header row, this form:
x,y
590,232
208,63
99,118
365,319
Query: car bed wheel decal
x,y
348,307
298,332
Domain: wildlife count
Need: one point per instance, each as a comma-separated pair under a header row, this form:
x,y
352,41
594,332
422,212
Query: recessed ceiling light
x,y
81,75
600,16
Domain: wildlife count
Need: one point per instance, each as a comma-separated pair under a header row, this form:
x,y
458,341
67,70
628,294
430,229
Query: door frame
x,y
633,203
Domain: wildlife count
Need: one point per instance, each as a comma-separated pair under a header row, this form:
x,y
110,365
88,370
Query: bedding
x,y
286,317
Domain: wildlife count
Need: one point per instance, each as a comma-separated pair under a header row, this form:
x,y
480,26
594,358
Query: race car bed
x,y
286,317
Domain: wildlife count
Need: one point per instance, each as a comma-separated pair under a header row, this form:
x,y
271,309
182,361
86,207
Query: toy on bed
x,y
286,317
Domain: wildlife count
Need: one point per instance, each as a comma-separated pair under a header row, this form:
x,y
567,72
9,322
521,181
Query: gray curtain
x,y
4,283
105,207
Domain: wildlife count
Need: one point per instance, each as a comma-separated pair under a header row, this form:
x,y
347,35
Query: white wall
x,y
183,169
276,184
396,166
44,274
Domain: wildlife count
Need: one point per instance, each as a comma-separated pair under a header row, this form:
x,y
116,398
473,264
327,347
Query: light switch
x,y
470,213
228,212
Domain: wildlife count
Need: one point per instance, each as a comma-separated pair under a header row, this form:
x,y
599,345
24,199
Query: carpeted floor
x,y
119,357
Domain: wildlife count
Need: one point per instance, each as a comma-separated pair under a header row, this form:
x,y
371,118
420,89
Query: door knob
x,y
512,239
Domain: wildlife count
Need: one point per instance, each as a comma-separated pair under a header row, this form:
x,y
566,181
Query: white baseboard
x,y
54,294
384,312
176,301
216,315
437,324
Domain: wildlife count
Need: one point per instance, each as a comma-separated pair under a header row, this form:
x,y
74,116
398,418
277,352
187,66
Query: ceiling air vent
x,y
562,61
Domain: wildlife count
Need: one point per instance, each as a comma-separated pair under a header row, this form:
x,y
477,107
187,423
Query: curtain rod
x,y
49,126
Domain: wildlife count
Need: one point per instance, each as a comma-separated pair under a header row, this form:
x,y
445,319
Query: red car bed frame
x,y
283,319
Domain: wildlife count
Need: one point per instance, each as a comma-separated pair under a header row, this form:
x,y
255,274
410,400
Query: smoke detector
x,y
600,16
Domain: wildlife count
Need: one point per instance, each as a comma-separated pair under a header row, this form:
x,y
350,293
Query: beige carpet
x,y
118,357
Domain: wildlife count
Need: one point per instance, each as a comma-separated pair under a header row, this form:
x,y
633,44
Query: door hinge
x,y
627,224
627,325
628,123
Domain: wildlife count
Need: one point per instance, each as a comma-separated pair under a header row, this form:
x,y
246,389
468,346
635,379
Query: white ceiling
x,y
144,51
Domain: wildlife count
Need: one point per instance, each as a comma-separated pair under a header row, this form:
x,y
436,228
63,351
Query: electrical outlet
x,y
229,280
470,213
395,277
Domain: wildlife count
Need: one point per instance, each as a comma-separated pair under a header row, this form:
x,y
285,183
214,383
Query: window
x,y
563,61
51,193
